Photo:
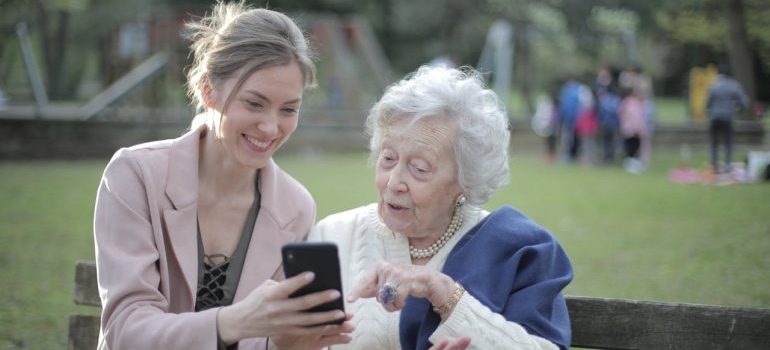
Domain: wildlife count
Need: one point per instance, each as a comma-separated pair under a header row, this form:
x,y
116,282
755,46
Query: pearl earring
x,y
460,200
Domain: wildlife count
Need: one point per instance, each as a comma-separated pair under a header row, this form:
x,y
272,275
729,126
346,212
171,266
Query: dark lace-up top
x,y
218,274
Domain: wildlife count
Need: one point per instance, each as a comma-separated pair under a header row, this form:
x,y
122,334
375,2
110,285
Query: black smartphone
x,y
320,258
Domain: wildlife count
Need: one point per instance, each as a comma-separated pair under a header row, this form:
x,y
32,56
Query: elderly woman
x,y
425,264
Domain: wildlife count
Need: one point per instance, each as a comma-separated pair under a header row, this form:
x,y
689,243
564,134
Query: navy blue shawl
x,y
511,265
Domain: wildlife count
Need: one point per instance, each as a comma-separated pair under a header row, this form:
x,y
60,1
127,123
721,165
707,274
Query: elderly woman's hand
x,y
404,280
268,311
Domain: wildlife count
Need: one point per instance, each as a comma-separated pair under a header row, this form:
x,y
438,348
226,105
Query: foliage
x,y
613,21
758,23
662,35
702,22
695,27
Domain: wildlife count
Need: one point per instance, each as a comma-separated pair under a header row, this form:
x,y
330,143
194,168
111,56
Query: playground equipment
x,y
352,69
112,95
147,70
33,74
497,57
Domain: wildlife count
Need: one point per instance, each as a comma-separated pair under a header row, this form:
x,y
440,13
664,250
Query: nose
x,y
268,124
396,180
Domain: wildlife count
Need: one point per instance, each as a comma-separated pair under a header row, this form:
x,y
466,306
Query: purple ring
x,y
387,294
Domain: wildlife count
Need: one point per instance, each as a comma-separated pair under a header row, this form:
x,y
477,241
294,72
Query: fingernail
x,y
309,276
340,315
334,295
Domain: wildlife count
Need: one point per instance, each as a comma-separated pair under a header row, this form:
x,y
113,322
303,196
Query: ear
x,y
207,92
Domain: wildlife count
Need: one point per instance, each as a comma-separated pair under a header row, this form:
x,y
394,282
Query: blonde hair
x,y
234,37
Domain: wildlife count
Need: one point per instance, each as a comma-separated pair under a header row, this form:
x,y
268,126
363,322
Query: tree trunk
x,y
741,62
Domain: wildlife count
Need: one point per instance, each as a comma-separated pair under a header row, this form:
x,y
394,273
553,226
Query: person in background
x,y
545,123
608,96
635,79
633,129
587,126
188,231
569,110
604,77
426,264
725,100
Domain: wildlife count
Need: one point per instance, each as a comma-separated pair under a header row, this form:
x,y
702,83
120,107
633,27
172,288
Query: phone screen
x,y
322,259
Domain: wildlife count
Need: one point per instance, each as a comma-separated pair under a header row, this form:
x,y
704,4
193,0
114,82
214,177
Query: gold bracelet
x,y
453,300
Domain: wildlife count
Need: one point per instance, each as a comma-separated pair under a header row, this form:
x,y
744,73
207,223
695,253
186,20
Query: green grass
x,y
628,236
639,237
46,213
643,237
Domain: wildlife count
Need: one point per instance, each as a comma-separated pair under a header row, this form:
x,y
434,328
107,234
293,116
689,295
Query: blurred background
x,y
65,53
81,78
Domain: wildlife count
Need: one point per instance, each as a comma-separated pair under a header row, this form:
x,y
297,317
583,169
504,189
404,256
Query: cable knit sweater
x,y
363,240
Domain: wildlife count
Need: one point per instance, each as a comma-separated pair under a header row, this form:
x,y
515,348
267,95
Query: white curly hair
x,y
458,96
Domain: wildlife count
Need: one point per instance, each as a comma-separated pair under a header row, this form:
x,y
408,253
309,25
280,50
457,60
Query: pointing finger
x,y
365,288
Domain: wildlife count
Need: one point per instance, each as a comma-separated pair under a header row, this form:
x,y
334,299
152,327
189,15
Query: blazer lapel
x,y
182,191
182,232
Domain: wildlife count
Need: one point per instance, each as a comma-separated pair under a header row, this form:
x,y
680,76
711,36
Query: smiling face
x,y
416,178
261,115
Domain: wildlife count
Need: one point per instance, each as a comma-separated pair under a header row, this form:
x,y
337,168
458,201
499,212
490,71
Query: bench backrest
x,y
597,323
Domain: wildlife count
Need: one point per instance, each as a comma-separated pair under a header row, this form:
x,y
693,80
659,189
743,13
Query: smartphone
x,y
320,258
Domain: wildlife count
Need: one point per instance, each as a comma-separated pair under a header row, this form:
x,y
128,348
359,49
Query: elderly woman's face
x,y
416,178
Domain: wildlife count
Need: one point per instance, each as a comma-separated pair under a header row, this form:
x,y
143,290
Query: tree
x,y
741,57
737,29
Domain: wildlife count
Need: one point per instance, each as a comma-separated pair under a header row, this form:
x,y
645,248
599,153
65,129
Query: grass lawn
x,y
628,236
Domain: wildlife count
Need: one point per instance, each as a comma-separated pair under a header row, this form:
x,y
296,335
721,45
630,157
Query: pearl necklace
x,y
454,225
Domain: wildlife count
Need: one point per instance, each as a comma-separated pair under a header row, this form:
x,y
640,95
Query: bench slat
x,y
629,324
83,332
86,291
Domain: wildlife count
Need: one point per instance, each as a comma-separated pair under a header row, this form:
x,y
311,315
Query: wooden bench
x,y
597,323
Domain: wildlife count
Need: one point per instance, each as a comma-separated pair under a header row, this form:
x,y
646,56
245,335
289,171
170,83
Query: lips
x,y
257,145
396,207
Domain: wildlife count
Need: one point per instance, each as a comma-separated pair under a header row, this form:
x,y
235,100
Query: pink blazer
x,y
146,246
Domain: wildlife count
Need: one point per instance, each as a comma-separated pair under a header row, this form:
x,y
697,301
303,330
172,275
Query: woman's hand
x,y
326,336
417,281
455,344
269,312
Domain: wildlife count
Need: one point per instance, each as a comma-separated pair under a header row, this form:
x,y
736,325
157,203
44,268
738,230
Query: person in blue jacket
x,y
726,99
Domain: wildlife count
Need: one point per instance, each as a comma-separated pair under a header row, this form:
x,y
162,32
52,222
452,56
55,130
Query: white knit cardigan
x,y
363,240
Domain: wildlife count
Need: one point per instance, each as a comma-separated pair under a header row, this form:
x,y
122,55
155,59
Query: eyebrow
x,y
261,96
